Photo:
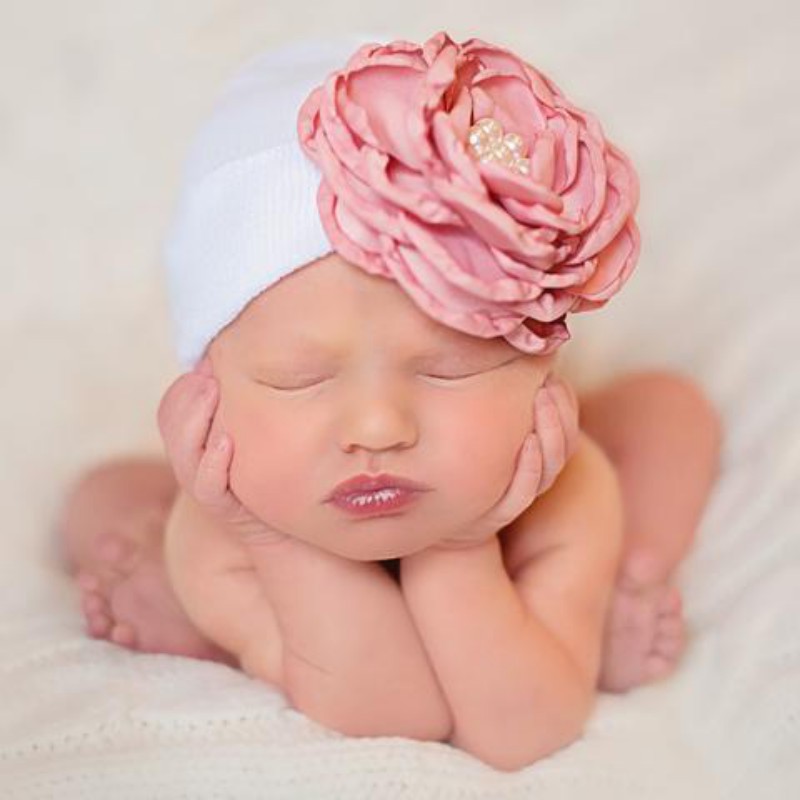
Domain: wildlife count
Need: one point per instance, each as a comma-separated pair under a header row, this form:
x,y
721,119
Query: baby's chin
x,y
368,551
374,539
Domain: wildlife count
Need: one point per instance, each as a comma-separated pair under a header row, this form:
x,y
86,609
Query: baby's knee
x,y
142,478
682,396
112,491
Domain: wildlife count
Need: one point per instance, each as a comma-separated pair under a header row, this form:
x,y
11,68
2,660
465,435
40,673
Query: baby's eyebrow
x,y
305,346
314,347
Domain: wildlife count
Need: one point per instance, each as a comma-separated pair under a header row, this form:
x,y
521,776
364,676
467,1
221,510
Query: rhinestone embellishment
x,y
487,141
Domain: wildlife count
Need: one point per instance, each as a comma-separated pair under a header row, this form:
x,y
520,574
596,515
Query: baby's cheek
x,y
262,478
260,467
478,468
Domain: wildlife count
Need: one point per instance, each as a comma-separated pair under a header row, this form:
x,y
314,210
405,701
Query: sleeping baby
x,y
380,496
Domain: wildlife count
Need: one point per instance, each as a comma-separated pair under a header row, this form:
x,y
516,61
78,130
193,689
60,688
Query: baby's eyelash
x,y
454,377
289,388
427,375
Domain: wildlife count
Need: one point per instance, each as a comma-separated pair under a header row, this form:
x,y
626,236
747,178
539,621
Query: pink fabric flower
x,y
482,248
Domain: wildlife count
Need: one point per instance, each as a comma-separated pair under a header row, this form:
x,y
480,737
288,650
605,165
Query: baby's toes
x,y
670,603
88,582
670,637
146,527
658,666
98,623
116,553
124,635
96,611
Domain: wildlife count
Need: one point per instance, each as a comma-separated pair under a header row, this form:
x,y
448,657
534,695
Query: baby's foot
x,y
645,632
126,597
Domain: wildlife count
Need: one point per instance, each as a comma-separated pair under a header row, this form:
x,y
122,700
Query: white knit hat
x,y
408,191
247,212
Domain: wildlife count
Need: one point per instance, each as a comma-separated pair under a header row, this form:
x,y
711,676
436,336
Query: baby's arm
x,y
213,577
333,634
518,656
353,659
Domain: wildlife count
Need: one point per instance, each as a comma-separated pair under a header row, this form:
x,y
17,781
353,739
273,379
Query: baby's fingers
x,y
524,485
184,419
211,481
212,489
567,402
550,432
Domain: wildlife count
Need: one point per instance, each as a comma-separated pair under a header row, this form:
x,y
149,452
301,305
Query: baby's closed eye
x,y
443,370
460,372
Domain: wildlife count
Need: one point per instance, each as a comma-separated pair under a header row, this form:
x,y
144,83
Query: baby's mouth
x,y
389,500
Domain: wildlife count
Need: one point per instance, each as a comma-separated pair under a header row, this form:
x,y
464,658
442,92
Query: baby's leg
x,y
111,530
664,437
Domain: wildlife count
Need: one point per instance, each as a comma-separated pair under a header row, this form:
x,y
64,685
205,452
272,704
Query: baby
x,y
378,497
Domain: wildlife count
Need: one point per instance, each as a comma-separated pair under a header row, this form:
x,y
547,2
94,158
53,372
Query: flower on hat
x,y
464,174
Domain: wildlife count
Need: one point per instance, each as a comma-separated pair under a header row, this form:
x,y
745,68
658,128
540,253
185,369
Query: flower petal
x,y
466,262
493,224
388,95
523,188
330,213
615,263
621,198
406,189
514,106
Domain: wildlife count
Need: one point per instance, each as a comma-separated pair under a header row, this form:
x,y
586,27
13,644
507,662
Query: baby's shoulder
x,y
584,505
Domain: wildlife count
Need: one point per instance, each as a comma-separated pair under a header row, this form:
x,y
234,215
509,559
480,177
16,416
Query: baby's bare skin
x,y
113,524
204,599
644,628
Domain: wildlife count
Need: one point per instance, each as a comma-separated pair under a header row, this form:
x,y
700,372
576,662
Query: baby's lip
x,y
372,483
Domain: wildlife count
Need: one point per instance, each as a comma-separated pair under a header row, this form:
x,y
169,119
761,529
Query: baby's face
x,y
333,372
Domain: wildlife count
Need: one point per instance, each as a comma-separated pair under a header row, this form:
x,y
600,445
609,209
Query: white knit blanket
x,y
96,103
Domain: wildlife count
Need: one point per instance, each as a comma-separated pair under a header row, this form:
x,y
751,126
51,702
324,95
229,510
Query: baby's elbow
x,y
426,718
420,711
360,723
549,733
519,755
354,715
436,727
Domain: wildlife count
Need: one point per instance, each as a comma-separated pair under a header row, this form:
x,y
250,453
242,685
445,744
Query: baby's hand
x,y
201,453
557,428
543,455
